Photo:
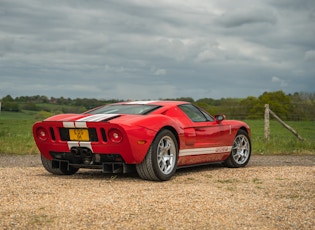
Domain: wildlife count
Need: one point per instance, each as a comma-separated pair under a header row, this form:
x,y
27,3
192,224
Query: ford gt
x,y
153,138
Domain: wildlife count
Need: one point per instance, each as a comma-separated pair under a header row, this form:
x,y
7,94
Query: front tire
x,y
161,160
62,170
241,151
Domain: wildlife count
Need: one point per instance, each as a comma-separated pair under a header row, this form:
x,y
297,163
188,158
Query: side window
x,y
194,113
209,118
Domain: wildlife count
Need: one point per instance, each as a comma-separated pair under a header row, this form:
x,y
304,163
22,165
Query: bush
x,y
10,106
30,106
42,115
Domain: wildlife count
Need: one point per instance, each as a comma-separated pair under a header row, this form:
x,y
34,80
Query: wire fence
x,y
239,112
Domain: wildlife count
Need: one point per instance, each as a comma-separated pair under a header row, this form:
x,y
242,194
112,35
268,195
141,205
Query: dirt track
x,y
272,192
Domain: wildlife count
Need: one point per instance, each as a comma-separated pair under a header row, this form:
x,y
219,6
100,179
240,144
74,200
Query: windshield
x,y
125,109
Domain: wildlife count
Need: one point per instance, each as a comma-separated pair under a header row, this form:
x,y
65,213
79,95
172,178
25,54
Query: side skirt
x,y
201,164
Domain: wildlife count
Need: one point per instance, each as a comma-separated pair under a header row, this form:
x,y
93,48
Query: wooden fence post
x,y
267,126
286,126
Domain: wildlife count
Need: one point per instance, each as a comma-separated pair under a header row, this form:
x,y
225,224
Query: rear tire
x,y
241,151
62,170
161,160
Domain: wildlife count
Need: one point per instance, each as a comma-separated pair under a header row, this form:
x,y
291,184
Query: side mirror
x,y
219,118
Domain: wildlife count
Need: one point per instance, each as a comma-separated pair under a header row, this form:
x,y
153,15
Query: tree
x,y
7,98
209,101
30,106
278,102
247,105
302,106
10,106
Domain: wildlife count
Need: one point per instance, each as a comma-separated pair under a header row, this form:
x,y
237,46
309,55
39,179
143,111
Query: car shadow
x,y
255,161
91,174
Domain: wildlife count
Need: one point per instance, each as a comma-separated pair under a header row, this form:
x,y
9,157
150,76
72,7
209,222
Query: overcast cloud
x,y
142,49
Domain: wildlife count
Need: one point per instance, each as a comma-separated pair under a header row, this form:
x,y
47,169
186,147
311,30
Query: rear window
x,y
125,109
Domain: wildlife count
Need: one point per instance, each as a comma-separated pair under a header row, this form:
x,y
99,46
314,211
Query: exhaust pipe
x,y
84,154
75,151
87,156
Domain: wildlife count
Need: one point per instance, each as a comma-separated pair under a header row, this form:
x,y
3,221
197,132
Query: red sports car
x,y
153,137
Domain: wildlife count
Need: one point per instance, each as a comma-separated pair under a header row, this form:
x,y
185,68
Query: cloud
x,y
143,49
158,72
283,83
248,16
309,55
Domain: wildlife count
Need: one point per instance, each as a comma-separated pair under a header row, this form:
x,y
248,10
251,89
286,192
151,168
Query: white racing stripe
x,y
97,117
73,144
80,124
76,124
68,124
139,102
86,144
202,151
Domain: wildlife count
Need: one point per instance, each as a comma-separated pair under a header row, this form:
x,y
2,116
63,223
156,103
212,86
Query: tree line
x,y
297,106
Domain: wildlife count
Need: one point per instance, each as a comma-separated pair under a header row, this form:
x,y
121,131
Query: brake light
x,y
115,135
42,134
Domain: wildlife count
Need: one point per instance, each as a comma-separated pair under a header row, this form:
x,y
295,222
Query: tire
x,y
161,160
62,170
241,151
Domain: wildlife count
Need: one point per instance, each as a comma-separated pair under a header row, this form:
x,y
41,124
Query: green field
x,y
281,140
16,135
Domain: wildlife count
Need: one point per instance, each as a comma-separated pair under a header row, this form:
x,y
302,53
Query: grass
x,y
60,108
257,181
281,140
228,181
16,135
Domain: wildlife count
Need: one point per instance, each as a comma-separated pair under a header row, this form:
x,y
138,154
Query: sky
x,y
144,49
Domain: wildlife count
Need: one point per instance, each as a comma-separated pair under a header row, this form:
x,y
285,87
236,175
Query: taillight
x,y
115,135
42,134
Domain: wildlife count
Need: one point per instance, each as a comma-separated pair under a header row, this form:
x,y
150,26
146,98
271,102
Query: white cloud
x,y
157,71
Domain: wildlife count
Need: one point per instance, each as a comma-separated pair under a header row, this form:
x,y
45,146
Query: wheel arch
x,y
245,129
174,131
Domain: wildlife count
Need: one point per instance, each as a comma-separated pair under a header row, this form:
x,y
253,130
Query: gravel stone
x,y
272,192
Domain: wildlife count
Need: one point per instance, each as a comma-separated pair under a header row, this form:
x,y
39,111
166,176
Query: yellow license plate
x,y
79,134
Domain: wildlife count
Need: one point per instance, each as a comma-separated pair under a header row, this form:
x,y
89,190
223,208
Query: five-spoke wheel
x,y
166,154
161,160
241,151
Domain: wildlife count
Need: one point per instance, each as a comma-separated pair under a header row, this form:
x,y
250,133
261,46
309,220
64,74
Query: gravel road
x,y
272,192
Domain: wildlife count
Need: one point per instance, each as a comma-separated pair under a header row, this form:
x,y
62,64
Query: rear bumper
x,y
106,167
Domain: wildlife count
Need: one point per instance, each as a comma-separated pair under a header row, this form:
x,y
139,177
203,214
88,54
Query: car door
x,y
208,132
